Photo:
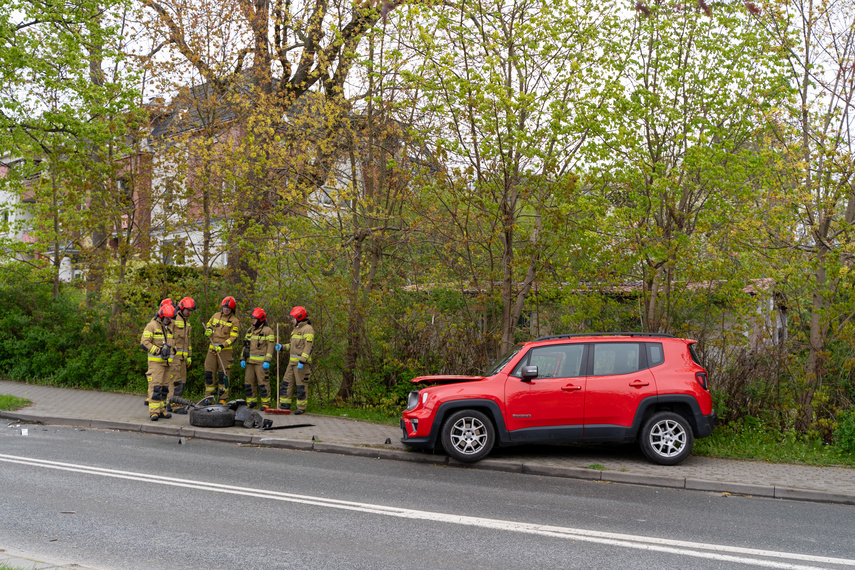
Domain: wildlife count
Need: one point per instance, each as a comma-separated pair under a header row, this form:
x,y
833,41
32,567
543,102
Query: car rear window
x,y
694,355
655,354
612,358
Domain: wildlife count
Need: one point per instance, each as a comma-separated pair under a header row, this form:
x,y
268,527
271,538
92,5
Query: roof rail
x,y
638,334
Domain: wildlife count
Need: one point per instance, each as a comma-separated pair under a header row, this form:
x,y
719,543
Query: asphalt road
x,y
106,499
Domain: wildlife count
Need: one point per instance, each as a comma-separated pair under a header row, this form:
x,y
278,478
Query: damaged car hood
x,y
446,379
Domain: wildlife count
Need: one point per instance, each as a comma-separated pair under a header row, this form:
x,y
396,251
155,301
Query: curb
x,y
605,476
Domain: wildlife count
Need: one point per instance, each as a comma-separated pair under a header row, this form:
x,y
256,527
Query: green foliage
x,y
63,342
750,438
844,436
10,403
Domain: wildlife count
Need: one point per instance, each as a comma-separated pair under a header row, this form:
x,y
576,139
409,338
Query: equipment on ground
x,y
267,425
208,413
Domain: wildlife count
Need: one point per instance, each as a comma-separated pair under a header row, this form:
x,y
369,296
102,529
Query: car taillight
x,y
701,377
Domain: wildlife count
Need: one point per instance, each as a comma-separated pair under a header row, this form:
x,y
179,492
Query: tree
x,y
677,157
809,209
513,87
62,114
260,59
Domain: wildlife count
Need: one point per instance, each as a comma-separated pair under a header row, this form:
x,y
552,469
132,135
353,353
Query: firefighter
x,y
300,349
183,353
222,330
257,353
157,342
166,301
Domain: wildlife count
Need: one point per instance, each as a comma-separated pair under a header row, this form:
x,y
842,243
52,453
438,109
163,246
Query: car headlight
x,y
412,400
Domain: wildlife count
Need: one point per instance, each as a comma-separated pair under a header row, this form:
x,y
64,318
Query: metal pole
x,y
277,367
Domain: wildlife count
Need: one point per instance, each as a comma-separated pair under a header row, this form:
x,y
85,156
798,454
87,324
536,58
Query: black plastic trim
x,y
702,425
445,408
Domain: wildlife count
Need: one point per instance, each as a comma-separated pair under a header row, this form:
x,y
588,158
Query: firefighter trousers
x,y
216,375
256,384
292,378
158,375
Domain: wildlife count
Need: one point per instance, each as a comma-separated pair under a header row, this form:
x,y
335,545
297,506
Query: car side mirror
x,y
528,373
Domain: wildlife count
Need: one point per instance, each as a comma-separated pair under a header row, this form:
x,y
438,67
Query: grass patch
x,y
751,440
596,466
11,403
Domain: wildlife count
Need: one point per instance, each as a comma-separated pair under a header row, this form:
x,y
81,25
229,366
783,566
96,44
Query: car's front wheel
x,y
468,436
666,438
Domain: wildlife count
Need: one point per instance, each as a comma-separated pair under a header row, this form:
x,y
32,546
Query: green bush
x,y
844,436
62,341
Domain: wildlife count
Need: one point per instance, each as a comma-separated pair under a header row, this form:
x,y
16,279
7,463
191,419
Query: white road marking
x,y
717,552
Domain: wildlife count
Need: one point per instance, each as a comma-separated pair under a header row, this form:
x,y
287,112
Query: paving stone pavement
x,y
616,463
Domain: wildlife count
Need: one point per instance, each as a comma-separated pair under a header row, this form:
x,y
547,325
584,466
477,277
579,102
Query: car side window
x,y
612,358
554,361
655,354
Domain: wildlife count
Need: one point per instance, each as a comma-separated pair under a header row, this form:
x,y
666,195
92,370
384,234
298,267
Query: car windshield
x,y
499,364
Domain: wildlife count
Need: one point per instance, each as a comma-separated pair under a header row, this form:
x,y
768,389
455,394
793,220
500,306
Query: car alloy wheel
x,y
666,438
468,436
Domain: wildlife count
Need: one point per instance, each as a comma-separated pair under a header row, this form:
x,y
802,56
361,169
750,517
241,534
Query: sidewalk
x,y
617,464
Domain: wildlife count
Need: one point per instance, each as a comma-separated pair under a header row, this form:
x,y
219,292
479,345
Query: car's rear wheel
x,y
666,438
468,436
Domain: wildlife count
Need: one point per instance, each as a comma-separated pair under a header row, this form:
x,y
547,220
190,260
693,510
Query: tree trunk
x,y
813,373
354,319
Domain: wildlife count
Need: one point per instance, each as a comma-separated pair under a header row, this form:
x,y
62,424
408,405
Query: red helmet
x,y
299,313
259,314
167,310
187,303
229,302
166,301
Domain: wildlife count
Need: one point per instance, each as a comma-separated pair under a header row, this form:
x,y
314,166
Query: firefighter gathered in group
x,y
257,353
166,301
222,330
157,342
300,349
183,353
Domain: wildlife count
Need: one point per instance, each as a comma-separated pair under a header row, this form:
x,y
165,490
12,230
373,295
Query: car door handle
x,y
570,388
638,384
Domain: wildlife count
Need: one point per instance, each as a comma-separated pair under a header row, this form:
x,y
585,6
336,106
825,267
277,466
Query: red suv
x,y
615,387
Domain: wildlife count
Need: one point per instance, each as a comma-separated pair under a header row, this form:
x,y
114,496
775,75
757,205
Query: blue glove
x,y
278,347
299,366
243,363
266,365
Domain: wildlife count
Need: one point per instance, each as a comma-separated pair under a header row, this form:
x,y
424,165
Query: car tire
x,y
666,438
212,416
468,436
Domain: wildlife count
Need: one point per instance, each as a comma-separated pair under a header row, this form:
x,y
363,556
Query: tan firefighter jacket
x,y
226,330
261,343
181,333
300,346
154,336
